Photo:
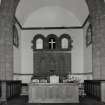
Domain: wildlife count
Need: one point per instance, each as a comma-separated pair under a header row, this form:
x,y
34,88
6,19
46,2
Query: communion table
x,y
53,93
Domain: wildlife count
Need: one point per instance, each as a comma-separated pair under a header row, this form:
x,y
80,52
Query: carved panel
x,y
52,42
44,62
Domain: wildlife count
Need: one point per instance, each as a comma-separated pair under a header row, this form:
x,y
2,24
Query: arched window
x,y
39,43
52,42
64,43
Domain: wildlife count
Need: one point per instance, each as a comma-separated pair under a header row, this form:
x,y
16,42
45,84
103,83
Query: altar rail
x,y
9,89
95,88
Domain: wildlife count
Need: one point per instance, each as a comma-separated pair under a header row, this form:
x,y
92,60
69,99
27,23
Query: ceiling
x,y
29,8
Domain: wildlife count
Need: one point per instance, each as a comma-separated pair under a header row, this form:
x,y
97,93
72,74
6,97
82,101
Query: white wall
x,y
87,54
27,52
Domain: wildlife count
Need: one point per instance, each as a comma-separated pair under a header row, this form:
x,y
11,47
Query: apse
x,y
26,8
51,16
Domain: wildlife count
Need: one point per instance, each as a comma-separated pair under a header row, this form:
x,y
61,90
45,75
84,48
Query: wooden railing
x,y
9,89
93,88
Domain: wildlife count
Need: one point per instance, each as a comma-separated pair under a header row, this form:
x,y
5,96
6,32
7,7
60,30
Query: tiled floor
x,y
23,100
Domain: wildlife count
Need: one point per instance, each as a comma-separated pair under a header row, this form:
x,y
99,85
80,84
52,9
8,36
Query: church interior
x,y
52,52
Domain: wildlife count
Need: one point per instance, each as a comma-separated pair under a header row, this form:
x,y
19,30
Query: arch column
x,y
7,13
97,19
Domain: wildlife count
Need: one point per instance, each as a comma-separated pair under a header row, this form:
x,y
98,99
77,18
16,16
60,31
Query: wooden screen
x,y
45,61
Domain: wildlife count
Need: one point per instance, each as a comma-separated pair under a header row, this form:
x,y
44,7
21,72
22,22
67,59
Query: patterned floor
x,y
23,100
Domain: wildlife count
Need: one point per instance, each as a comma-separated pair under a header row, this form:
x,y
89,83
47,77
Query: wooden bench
x,y
9,89
95,88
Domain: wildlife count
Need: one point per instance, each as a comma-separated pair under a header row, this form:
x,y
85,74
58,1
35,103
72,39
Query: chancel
x,y
52,51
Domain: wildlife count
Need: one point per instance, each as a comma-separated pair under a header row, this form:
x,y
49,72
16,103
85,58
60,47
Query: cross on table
x,y
52,42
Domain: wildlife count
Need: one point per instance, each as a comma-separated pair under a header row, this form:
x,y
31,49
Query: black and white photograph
x,y
52,52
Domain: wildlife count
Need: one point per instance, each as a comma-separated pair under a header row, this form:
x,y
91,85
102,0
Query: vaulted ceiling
x,y
40,9
34,13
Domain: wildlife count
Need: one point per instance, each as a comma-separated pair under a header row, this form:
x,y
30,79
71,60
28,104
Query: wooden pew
x,y
9,89
95,88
